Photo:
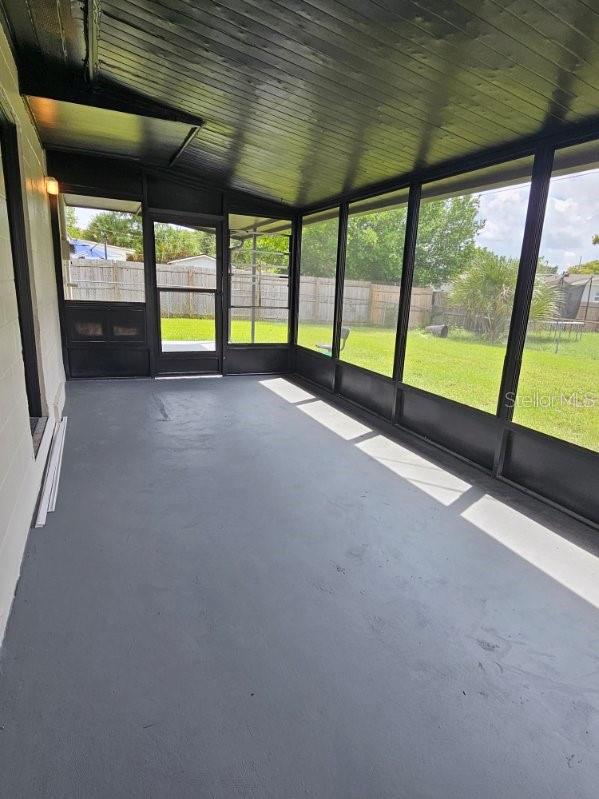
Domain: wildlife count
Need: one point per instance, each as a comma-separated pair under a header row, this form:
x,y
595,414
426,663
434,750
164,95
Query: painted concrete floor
x,y
244,592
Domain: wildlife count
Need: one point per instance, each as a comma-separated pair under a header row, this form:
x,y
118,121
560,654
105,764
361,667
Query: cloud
x,y
571,219
505,213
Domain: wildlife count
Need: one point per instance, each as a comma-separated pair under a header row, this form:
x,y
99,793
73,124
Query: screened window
x,y
373,264
259,259
102,250
467,255
186,277
185,256
318,267
558,390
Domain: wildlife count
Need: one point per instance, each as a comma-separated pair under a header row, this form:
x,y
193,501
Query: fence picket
x,y
365,303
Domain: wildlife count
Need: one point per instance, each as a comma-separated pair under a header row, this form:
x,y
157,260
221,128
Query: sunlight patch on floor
x,y
437,482
568,564
336,421
286,390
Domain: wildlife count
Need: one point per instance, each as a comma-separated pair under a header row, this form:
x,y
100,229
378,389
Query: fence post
x,y
371,304
316,300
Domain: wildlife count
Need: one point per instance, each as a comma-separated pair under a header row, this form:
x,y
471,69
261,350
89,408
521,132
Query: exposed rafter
x,y
185,144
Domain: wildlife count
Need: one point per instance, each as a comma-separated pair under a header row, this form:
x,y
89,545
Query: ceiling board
x,y
100,131
306,100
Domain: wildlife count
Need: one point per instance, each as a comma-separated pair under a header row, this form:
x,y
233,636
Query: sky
x,y
85,216
571,220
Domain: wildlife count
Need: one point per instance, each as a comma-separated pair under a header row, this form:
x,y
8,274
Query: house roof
x,y
571,280
96,248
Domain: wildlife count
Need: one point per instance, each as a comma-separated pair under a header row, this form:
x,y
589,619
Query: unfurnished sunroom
x,y
299,399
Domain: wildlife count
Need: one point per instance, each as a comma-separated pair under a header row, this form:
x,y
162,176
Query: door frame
x,y
13,187
183,363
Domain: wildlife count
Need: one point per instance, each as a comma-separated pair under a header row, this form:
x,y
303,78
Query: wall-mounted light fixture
x,y
52,186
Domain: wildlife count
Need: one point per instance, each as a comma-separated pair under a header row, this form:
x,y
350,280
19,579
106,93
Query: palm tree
x,y
485,295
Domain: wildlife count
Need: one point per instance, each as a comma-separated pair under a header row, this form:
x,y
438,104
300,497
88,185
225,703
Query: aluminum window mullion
x,y
531,242
294,282
407,277
529,255
339,279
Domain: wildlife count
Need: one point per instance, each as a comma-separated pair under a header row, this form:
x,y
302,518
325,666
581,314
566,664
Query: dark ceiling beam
x,y
92,24
100,94
185,144
82,172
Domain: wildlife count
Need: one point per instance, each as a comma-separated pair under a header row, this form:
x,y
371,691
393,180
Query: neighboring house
x,y
207,261
83,248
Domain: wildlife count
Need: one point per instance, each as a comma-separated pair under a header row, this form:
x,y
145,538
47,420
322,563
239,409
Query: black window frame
x,y
9,144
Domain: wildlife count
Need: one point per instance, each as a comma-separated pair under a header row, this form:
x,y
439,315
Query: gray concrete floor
x,y
245,593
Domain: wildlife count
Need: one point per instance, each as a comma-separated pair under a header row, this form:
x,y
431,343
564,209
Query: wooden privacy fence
x,y
364,303
106,281
267,293
123,281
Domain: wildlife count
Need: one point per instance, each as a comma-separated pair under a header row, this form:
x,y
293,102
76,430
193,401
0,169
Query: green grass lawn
x,y
182,329
461,368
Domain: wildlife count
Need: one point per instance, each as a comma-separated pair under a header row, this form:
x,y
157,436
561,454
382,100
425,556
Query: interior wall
x,y
20,472
168,190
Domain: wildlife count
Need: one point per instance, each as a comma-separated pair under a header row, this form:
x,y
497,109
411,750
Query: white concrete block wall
x,y
20,473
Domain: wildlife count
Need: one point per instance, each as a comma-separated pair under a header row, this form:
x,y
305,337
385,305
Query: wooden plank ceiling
x,y
302,101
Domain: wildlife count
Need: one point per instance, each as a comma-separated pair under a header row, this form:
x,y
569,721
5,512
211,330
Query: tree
x,y
123,229
119,228
73,229
375,245
375,241
485,293
271,252
174,241
588,268
446,239
545,302
319,248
